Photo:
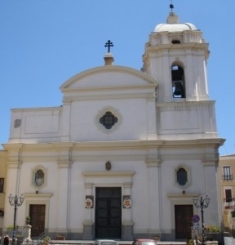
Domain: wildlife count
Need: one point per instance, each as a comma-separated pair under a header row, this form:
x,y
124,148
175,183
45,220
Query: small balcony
x,y
229,203
228,177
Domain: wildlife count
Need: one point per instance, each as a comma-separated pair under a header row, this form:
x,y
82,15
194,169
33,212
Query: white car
x,y
105,242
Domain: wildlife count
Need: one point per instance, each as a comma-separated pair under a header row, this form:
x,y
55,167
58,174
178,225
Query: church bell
x,y
179,90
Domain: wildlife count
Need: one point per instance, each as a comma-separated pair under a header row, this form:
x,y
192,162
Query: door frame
x,y
191,209
38,199
121,194
33,218
123,180
179,200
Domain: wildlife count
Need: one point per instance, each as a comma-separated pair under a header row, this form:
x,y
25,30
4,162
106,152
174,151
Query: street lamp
x,y
200,202
16,202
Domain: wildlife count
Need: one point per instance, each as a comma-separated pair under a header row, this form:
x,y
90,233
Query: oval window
x,y
39,177
182,176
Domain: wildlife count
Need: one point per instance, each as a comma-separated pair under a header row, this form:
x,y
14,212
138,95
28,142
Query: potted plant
x,y
60,237
45,240
212,232
27,220
212,229
190,242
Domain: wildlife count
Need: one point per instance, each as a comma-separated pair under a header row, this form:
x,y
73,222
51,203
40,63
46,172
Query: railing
x,y
40,237
20,232
229,203
229,199
228,177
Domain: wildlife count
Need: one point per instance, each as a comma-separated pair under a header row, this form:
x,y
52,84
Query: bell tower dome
x,y
176,56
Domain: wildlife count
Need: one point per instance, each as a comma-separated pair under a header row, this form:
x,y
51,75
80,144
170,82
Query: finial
x,y
108,58
108,45
172,18
171,6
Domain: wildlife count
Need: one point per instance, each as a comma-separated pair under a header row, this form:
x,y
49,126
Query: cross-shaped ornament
x,y
108,45
171,6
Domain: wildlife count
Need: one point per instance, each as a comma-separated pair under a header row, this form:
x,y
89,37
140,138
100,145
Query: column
x,y
127,222
66,109
88,223
153,209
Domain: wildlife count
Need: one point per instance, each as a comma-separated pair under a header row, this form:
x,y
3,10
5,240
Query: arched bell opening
x,y
178,83
175,41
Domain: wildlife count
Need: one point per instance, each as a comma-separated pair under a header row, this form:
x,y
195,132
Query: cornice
x,y
112,145
33,109
84,97
227,157
108,174
181,195
111,88
182,46
41,195
185,103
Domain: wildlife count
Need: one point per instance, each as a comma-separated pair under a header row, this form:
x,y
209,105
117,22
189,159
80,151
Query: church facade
x,y
126,152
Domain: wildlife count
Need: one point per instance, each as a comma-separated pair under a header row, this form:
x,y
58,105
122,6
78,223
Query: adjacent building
x,y
126,152
3,171
227,183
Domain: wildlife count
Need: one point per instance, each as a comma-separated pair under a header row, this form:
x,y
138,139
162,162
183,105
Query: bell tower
x,y
176,56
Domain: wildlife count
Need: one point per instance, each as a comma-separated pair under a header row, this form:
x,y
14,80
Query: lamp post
x,y
15,201
200,202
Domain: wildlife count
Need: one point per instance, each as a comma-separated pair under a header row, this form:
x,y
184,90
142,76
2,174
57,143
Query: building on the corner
x,y
3,171
227,185
126,152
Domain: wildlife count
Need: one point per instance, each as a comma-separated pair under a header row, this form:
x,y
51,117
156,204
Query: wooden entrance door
x,y
183,221
37,216
108,213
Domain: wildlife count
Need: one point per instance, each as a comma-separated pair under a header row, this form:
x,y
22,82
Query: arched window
x,y
39,177
178,83
182,176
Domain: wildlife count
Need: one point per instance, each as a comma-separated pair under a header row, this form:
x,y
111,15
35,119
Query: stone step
x,y
82,242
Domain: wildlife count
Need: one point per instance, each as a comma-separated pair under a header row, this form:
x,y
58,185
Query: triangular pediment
x,y
108,77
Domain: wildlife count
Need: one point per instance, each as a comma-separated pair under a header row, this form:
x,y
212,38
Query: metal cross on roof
x,y
108,45
171,6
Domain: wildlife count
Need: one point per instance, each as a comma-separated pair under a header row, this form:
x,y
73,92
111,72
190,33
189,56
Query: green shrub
x,y
11,227
212,228
45,240
190,242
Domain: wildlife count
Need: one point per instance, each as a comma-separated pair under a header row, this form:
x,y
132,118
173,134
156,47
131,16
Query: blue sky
x,y
45,42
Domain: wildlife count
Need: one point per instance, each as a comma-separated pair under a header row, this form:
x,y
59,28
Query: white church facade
x,y
126,152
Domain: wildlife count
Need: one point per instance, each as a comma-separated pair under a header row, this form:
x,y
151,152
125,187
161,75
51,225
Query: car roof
x,y
145,240
105,240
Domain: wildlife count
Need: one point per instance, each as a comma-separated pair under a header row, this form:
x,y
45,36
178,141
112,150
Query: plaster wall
x,y
132,120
